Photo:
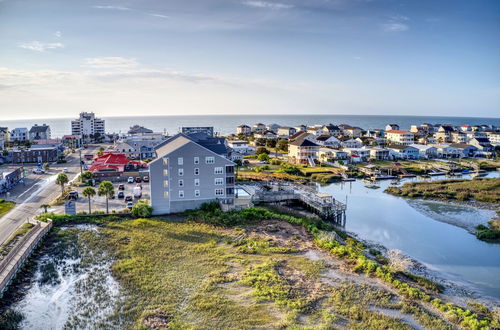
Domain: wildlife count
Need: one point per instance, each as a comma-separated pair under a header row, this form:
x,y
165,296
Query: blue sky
x,y
60,57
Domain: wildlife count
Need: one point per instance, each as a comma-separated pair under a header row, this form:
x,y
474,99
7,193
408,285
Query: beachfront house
x,y
187,174
392,127
351,143
379,153
19,134
273,128
444,134
39,132
258,127
445,150
241,147
467,150
327,140
331,129
357,155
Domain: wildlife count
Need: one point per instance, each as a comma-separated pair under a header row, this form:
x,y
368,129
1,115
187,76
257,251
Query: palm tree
x,y
89,192
87,175
61,180
44,207
106,189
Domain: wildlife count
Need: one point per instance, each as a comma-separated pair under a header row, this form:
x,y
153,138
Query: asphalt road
x,y
37,190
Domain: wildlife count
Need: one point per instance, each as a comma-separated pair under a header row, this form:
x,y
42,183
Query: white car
x,y
130,179
38,171
65,170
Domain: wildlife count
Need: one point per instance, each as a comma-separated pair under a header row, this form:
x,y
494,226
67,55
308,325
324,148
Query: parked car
x,y
130,179
73,195
65,170
121,187
137,192
38,171
121,194
145,178
130,205
129,199
138,179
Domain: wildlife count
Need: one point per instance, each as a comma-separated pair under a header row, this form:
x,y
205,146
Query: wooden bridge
x,y
323,205
14,260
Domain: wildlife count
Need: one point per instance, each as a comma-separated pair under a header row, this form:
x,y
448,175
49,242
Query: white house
x,y
351,143
39,132
447,151
400,137
358,154
327,140
258,127
241,147
243,129
426,151
403,152
286,131
19,134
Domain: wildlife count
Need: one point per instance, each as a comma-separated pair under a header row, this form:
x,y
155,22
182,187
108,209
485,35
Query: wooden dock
x,y
324,205
14,260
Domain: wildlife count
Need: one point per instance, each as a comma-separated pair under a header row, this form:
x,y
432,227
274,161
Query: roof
x,y
400,147
462,145
323,137
113,161
331,127
303,142
397,131
298,134
447,128
241,126
39,129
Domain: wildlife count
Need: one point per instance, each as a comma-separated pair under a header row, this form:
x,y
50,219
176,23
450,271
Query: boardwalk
x,y
324,205
14,260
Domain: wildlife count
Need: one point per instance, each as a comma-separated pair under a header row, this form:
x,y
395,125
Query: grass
x,y
212,269
5,206
479,189
17,235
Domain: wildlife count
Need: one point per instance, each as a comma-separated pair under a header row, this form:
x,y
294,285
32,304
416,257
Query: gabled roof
x,y
398,131
298,135
462,145
303,142
331,127
324,137
241,126
39,129
399,147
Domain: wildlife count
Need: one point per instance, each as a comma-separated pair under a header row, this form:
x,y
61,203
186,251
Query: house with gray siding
x,y
186,174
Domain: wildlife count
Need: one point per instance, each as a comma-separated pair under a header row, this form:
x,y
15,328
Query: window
x,y
230,180
229,169
165,161
219,181
219,192
181,193
165,183
181,172
196,193
196,182
196,171
180,161
229,191
218,170
165,194
181,183
165,172
196,160
209,160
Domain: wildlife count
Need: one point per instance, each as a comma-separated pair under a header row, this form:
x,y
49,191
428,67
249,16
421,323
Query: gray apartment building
x,y
187,174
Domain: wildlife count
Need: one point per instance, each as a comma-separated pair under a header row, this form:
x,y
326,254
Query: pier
x,y
324,205
14,260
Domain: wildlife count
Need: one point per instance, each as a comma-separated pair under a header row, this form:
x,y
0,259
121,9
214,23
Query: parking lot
x,y
98,203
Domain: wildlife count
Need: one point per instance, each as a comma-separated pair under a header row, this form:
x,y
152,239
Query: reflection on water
x,y
411,227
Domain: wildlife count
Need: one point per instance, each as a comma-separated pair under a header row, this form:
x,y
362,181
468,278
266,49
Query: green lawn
x,y
5,206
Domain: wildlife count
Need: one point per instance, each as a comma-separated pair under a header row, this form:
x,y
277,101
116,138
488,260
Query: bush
x,y
142,209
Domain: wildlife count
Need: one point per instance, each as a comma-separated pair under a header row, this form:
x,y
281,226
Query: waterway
x,y
432,232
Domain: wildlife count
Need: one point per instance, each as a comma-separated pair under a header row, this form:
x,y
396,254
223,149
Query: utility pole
x,y
81,169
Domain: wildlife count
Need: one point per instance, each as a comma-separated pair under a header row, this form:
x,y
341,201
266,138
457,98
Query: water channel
x,y
432,232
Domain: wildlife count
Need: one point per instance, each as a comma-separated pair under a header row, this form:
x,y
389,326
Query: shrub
x,y
142,209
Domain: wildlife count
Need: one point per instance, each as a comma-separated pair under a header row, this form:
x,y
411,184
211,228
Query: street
x,y
37,189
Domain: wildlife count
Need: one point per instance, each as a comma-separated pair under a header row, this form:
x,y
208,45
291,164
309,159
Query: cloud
x,y
41,47
110,63
159,15
395,27
110,7
269,5
58,34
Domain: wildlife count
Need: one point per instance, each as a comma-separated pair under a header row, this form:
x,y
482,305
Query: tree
x,y
61,180
260,142
5,152
271,143
87,175
261,150
263,157
282,145
46,166
142,209
89,192
101,151
45,207
106,189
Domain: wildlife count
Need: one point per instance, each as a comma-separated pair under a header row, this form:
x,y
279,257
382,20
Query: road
x,y
37,190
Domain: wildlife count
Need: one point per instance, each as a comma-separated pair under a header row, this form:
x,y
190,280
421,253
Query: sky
x,y
178,57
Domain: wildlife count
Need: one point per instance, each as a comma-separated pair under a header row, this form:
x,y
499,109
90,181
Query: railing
x,y
24,246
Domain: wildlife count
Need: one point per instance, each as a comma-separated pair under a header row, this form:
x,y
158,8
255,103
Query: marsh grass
x,y
5,206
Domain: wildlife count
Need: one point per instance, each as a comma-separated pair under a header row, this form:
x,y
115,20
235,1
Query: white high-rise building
x,y
88,126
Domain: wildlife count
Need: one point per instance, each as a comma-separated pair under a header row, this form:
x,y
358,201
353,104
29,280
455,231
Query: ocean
x,y
226,124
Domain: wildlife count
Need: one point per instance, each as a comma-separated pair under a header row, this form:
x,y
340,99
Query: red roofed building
x,y
113,164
